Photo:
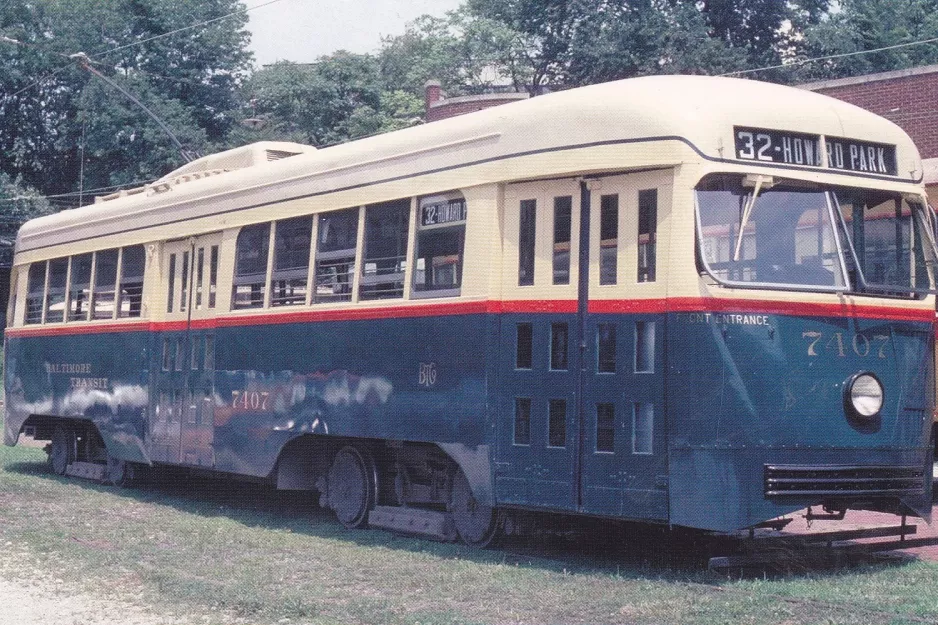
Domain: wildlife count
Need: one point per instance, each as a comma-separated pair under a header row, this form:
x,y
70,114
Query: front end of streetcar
x,y
803,376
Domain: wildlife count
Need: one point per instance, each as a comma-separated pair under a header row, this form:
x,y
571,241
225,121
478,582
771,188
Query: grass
x,y
231,552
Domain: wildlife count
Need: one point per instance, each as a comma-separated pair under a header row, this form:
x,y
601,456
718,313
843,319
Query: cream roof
x,y
700,111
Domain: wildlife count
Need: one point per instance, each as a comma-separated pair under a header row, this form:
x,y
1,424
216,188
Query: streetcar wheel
x,y
120,472
62,452
352,486
476,523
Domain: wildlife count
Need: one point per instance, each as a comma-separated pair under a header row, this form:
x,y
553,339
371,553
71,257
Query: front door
x,y
581,410
182,430
624,447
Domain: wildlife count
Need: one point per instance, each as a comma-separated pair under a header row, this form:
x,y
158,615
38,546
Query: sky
x,y
302,30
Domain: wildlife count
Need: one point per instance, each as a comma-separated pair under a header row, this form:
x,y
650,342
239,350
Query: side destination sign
x,y
440,212
796,148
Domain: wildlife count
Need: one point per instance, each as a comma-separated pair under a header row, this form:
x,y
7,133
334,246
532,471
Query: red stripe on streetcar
x,y
645,306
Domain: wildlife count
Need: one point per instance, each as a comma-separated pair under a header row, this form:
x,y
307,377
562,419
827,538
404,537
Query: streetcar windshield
x,y
758,231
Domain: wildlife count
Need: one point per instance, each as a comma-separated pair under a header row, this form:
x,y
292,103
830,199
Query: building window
x,y
441,233
522,434
563,215
251,266
130,300
335,255
557,423
647,234
526,239
292,238
608,238
385,254
105,281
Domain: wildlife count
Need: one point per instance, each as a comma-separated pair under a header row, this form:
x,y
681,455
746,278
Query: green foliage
x,y
51,111
337,98
18,203
869,25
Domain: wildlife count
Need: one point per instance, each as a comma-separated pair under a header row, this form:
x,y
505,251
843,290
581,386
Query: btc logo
x,y
427,374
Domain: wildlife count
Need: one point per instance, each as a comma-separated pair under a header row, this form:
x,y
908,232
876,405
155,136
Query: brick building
x,y
906,97
438,107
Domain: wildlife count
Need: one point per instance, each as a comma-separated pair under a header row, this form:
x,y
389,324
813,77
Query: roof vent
x,y
242,157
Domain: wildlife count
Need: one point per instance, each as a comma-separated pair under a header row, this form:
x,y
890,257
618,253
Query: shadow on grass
x,y
561,543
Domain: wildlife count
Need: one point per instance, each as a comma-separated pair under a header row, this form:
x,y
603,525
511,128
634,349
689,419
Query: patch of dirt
x,y
30,596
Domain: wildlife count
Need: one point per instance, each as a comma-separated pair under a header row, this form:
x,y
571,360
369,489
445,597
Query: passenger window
x,y
524,354
11,303
643,419
647,230
526,233
199,261
608,238
385,254
335,256
212,275
563,214
644,347
441,232
105,278
292,238
522,433
171,283
605,428
558,347
184,283
35,288
557,423
79,293
606,348
251,266
131,284
55,292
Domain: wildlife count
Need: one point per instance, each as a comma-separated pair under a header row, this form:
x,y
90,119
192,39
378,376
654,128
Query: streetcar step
x,y
428,523
87,470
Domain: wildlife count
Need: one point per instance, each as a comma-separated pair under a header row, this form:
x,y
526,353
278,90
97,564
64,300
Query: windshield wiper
x,y
759,181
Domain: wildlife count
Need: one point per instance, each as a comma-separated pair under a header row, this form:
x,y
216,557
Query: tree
x,y
18,204
465,52
861,25
51,112
337,98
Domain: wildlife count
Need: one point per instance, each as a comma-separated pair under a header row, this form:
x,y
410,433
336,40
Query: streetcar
x,y
695,301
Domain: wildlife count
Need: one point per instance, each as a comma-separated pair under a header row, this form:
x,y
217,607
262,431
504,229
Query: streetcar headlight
x,y
863,395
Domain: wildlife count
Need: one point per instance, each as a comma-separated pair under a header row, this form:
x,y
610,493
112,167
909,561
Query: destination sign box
x,y
795,148
778,146
864,156
442,212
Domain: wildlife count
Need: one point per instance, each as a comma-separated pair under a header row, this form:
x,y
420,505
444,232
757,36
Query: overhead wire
x,y
799,62
125,46
185,28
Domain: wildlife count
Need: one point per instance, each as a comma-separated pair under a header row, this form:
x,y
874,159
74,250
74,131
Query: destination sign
x,y
795,148
443,212
778,146
865,156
